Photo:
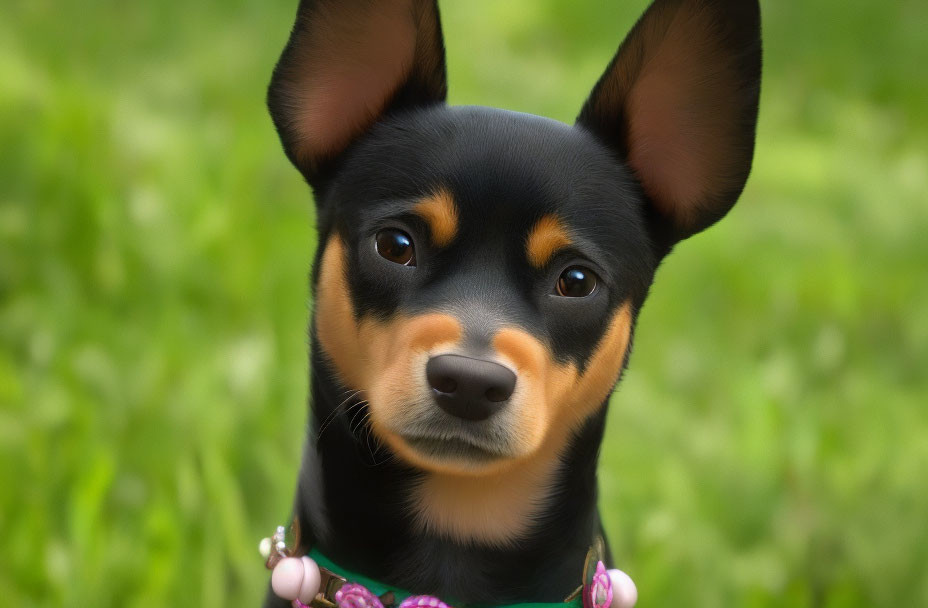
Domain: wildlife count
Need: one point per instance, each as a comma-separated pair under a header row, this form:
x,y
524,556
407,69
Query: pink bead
x,y
600,588
353,595
312,580
287,578
624,592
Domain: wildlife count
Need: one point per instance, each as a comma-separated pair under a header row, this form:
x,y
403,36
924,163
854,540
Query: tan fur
x,y
546,237
366,354
441,214
336,330
495,509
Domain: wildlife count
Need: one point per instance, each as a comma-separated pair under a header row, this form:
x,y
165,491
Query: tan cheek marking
x,y
388,346
370,351
441,214
336,330
536,370
394,380
560,386
500,508
395,361
545,238
603,368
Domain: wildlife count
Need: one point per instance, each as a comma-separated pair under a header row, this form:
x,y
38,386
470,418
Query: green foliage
x,y
766,448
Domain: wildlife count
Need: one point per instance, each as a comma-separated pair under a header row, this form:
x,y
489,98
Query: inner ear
x,y
679,103
347,63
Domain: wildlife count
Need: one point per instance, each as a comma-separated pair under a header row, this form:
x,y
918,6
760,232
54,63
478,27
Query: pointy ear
x,y
679,103
348,63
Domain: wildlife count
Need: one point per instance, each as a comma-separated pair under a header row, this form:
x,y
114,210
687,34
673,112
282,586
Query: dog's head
x,y
480,270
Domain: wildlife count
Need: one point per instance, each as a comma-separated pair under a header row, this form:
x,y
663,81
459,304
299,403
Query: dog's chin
x,y
447,452
451,455
420,434
453,449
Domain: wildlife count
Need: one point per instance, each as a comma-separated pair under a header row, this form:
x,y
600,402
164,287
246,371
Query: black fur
x,y
504,171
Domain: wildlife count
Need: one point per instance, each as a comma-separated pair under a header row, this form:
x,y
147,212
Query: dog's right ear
x,y
347,63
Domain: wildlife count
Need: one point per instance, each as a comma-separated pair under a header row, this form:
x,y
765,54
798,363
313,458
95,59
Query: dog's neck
x,y
354,503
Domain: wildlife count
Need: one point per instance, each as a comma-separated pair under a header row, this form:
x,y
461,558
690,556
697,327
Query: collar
x,y
334,576
333,586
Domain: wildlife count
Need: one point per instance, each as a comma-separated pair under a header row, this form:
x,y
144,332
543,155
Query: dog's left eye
x,y
576,282
396,246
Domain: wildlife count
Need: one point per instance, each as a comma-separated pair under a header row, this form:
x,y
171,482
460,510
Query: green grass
x,y
768,446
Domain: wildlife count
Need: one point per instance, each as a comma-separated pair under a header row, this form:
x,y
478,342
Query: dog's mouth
x,y
429,439
453,449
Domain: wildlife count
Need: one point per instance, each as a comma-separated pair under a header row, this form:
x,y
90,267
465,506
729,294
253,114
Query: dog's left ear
x,y
347,63
679,103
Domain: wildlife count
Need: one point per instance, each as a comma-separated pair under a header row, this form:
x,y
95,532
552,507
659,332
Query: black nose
x,y
472,389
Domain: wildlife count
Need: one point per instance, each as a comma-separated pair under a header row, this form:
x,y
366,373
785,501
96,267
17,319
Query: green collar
x,y
379,588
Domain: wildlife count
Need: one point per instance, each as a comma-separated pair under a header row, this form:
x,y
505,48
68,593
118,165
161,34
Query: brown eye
x,y
396,246
576,282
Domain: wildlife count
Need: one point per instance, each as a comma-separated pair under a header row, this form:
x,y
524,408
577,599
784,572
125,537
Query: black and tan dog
x,y
478,279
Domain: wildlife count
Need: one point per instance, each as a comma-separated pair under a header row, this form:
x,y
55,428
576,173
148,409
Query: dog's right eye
x,y
576,282
396,246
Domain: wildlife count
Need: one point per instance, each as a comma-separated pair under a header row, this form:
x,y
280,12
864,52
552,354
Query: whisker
x,y
331,417
355,415
377,446
314,371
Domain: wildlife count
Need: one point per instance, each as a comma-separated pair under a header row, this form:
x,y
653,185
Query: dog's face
x,y
480,270
481,294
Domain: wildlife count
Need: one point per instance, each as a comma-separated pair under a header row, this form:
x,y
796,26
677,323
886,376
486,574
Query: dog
x,y
478,279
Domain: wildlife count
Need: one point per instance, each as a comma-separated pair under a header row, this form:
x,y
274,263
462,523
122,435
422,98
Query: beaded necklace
x,y
315,581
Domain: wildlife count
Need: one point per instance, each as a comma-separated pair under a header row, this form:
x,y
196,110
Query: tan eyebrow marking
x,y
546,237
441,214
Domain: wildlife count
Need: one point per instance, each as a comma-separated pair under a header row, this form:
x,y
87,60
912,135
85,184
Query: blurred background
x,y
768,446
